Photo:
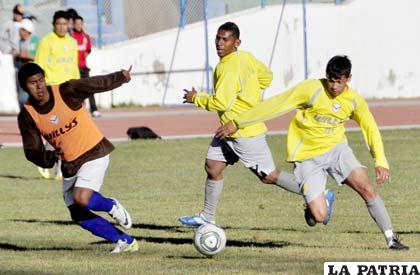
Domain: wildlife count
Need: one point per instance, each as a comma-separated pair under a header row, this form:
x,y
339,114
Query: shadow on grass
x,y
409,232
19,177
8,246
188,257
139,226
171,228
44,222
235,243
22,272
182,229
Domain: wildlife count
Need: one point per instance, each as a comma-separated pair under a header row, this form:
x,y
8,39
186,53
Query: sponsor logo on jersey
x,y
326,119
62,130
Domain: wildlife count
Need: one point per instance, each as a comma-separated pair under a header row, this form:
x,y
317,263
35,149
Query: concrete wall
x,y
380,36
8,92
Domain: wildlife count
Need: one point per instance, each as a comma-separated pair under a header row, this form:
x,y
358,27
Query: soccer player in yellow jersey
x,y
238,80
317,145
58,57
57,52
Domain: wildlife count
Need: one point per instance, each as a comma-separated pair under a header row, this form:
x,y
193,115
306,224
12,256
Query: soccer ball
x,y
209,239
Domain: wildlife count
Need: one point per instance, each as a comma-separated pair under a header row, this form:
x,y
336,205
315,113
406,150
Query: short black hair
x,y
232,27
60,14
17,9
72,13
27,71
77,17
338,66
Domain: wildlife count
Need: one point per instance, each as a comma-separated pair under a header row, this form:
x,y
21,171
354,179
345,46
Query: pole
x,y
182,21
99,13
305,43
206,41
277,34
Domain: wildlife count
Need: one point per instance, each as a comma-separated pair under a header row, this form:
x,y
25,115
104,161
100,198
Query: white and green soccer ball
x,y
209,239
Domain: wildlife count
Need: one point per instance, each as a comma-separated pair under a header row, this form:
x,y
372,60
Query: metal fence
x,y
110,21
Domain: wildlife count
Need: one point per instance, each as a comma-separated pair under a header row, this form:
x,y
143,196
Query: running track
x,y
188,121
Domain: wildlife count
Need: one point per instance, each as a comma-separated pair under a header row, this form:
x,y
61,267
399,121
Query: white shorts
x,y
91,175
253,152
311,174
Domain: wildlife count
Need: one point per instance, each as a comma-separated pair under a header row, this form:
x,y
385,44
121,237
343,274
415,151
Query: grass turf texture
x,y
159,180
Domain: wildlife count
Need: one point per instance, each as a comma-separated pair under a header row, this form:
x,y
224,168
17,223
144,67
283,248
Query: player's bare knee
x,y
213,172
81,200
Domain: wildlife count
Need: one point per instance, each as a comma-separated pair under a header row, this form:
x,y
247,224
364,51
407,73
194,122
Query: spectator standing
x,y
57,52
9,33
27,45
72,14
84,46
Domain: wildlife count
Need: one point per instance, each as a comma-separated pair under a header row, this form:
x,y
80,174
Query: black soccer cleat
x,y
396,244
309,218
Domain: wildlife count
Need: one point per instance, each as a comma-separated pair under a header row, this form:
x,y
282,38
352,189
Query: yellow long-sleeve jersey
x,y
57,56
238,80
319,122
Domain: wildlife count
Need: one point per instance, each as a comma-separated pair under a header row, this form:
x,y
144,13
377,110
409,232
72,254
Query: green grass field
x,y
159,180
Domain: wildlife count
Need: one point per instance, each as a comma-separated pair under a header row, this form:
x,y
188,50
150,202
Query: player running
x,y
56,113
238,80
317,145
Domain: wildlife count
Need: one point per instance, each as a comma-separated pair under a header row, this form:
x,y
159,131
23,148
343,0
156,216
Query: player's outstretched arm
x,y
189,95
83,88
370,131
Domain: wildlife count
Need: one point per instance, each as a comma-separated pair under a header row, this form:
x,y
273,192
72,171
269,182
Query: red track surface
x,y
187,120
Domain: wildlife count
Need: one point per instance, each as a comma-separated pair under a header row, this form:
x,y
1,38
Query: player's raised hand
x,y
382,174
126,74
226,130
189,95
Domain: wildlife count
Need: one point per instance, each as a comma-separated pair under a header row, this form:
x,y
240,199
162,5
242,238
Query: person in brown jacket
x,y
56,113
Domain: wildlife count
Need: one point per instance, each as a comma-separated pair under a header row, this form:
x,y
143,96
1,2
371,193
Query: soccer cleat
x,y
329,198
58,176
123,246
120,214
194,221
395,244
45,173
